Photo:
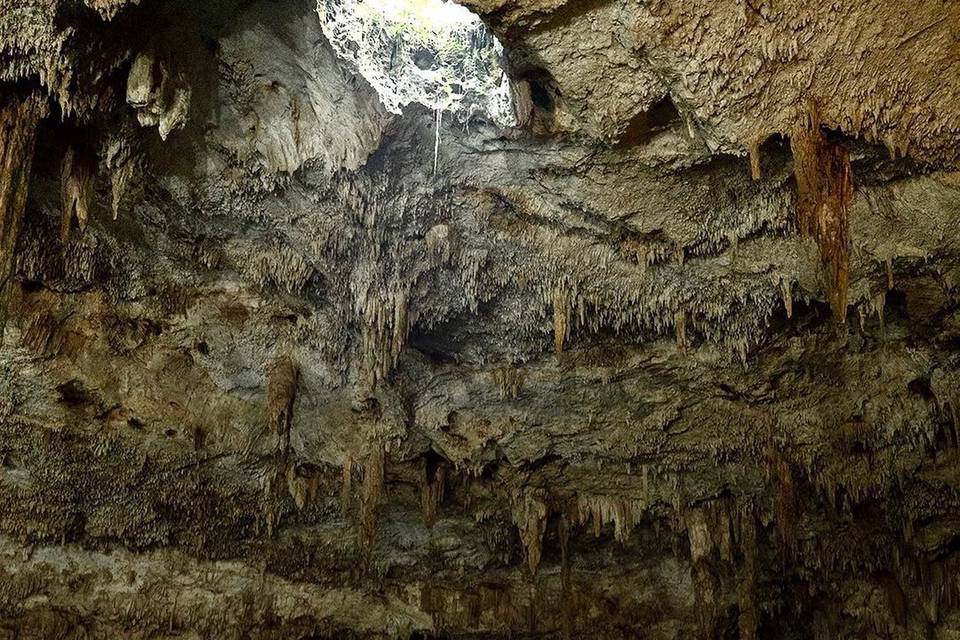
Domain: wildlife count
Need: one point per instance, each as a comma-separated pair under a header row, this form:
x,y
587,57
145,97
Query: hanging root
x,y
76,190
19,117
436,143
825,188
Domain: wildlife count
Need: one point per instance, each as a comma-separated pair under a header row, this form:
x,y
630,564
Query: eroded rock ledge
x,y
677,356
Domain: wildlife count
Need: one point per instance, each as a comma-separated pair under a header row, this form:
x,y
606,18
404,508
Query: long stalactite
x,y
825,188
20,115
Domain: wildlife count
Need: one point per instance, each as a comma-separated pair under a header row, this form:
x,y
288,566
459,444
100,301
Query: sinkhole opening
x,y
432,52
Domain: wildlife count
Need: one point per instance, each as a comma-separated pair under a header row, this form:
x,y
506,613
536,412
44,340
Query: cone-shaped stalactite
x,y
530,515
749,617
706,583
374,491
76,190
19,116
283,378
825,188
432,486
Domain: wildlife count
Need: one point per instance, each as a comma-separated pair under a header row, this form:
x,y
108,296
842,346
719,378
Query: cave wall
x,y
675,357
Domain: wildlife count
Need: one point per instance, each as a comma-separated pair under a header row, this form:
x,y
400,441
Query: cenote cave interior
x,y
480,319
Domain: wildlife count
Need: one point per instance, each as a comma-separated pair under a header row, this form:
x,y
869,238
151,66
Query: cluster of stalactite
x,y
723,535
509,381
100,136
160,97
20,116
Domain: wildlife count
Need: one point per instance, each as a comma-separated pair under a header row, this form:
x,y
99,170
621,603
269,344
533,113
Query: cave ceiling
x,y
580,319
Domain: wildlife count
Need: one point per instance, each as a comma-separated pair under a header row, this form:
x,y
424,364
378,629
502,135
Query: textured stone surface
x,y
676,357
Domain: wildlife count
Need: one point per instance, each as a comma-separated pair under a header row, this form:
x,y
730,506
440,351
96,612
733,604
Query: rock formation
x,y
668,349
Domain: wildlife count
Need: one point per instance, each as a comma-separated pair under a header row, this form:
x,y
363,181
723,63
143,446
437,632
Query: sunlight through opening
x,y
432,52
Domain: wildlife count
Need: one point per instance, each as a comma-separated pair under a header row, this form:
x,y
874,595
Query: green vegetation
x,y
425,20
433,52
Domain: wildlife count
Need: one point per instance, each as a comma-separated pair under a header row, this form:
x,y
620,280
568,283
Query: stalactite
x,y
140,80
302,482
706,583
636,252
755,159
277,265
274,483
108,9
509,381
623,513
564,535
19,117
433,482
120,159
749,618
374,490
76,190
896,599
873,306
722,531
567,607
825,188
283,377
41,329
947,398
786,293
786,505
385,328
680,330
439,243
174,114
160,99
346,487
530,515
562,312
